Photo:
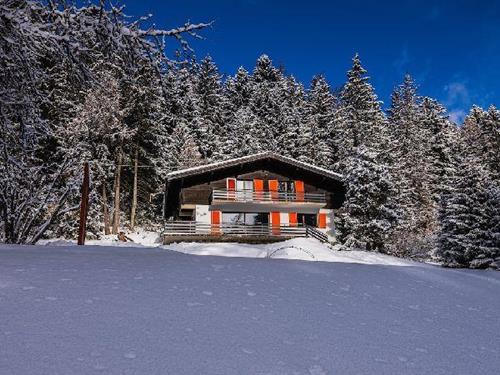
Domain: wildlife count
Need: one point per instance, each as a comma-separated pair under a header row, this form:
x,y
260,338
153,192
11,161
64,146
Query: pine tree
x,y
207,126
367,217
184,149
469,218
318,136
293,107
363,117
408,159
265,102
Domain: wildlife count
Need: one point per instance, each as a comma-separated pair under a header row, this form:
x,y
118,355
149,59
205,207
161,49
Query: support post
x,y
84,204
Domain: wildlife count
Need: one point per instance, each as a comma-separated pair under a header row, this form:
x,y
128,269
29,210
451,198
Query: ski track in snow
x,y
113,310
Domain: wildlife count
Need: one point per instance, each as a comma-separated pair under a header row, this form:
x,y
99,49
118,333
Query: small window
x,y
307,219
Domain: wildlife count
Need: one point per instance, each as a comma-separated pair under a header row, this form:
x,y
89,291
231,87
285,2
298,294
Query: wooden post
x,y
84,205
116,212
105,208
134,191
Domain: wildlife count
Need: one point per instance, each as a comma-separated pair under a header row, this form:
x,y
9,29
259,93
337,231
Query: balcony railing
x,y
186,228
266,196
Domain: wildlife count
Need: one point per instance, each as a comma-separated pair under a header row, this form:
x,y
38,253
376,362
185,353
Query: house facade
x,y
261,195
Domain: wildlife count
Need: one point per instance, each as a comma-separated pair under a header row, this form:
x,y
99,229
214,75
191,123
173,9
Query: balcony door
x,y
244,190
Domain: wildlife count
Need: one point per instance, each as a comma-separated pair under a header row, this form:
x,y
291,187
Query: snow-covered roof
x,y
244,159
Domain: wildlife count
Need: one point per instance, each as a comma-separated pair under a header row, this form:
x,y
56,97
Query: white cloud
x,y
457,93
457,116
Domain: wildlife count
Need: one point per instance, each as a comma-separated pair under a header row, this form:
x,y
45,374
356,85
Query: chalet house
x,y
262,196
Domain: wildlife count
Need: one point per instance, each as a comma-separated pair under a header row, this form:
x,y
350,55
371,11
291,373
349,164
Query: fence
x,y
181,228
187,228
266,196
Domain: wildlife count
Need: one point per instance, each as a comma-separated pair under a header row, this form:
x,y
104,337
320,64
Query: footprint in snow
x,y
130,355
317,370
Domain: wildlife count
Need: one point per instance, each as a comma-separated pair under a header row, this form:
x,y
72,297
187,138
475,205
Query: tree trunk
x,y
116,211
105,208
134,193
84,205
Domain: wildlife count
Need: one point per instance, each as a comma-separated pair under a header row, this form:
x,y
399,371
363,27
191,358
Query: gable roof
x,y
252,158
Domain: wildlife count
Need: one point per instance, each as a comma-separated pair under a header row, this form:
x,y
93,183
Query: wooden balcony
x,y
193,231
220,195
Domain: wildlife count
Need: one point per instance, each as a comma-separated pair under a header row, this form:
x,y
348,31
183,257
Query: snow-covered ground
x,y
123,310
297,248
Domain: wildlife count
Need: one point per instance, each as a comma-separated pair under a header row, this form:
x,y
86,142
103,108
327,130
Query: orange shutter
x,y
322,220
292,219
273,188
258,185
258,188
215,220
231,184
231,187
275,223
299,190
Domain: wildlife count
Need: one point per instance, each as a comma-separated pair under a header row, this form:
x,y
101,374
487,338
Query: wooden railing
x,y
266,196
315,233
186,228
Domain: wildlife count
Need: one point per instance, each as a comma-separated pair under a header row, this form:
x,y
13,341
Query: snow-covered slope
x,y
113,310
298,248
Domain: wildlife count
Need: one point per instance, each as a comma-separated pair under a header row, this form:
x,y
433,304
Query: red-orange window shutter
x,y
322,220
299,190
231,184
273,189
292,219
215,217
258,184
275,223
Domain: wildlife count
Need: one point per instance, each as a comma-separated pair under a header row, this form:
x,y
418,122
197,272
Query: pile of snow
x,y
308,249
139,238
296,248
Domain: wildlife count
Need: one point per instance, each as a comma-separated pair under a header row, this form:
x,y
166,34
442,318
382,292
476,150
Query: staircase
x,y
315,233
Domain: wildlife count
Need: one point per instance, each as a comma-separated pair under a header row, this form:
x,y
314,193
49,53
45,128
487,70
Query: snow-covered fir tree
x,y
185,151
469,218
265,102
207,122
367,217
363,117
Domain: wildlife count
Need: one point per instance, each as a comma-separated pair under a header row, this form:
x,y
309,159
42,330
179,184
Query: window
x,y
306,219
233,218
246,218
256,218
286,186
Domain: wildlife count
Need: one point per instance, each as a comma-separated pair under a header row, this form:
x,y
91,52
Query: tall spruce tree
x,y
207,126
469,217
363,117
367,217
318,136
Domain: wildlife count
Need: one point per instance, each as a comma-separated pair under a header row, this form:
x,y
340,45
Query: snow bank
x,y
308,249
298,248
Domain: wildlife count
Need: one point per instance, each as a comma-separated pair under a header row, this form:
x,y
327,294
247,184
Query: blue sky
x,y
452,48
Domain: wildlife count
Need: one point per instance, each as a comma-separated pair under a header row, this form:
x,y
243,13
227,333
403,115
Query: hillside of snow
x,y
308,249
123,310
